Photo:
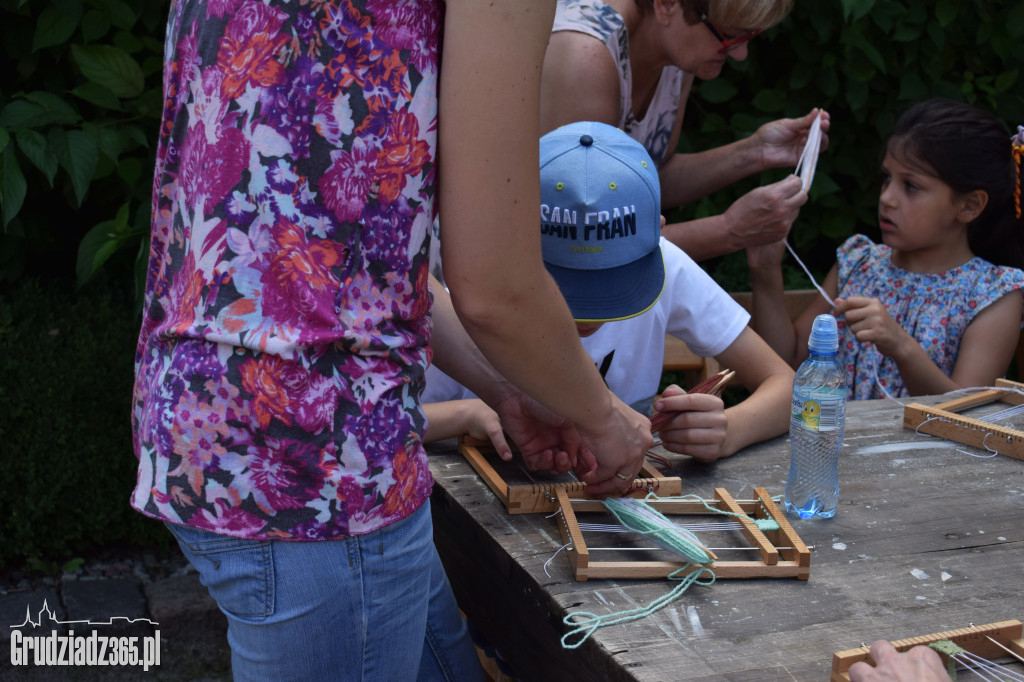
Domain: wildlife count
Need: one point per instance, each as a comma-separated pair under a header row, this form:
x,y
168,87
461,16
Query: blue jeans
x,y
365,608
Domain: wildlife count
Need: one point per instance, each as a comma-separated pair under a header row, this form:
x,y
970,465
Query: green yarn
x,y
642,518
639,516
590,622
762,524
950,649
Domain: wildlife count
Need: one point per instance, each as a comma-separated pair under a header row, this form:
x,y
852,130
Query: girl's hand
x,y
700,428
782,141
870,322
766,256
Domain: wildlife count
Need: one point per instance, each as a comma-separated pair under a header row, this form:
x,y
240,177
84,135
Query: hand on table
x,y
920,664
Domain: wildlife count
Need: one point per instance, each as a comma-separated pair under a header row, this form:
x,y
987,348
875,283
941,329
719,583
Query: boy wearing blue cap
x,y
627,287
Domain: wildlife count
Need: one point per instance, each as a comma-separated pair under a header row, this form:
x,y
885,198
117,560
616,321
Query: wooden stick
x,y
713,385
974,639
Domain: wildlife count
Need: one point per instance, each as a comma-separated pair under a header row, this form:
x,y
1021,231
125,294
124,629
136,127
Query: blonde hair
x,y
745,14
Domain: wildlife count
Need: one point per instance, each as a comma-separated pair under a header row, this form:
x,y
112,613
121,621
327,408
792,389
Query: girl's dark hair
x,y
968,149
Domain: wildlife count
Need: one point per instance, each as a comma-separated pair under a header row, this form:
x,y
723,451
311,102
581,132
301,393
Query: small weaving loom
x,y
943,421
781,552
538,496
980,640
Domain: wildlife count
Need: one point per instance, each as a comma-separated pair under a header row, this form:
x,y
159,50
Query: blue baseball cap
x,y
600,210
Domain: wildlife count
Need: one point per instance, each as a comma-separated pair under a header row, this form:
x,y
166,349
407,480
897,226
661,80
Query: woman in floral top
x,y
287,318
938,305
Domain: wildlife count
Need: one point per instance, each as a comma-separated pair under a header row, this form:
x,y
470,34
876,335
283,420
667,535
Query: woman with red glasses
x,y
632,63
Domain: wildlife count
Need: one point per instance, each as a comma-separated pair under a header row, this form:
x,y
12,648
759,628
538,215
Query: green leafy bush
x,y
80,105
865,61
65,401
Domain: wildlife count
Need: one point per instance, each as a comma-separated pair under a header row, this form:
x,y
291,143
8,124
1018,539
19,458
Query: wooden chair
x,y
679,358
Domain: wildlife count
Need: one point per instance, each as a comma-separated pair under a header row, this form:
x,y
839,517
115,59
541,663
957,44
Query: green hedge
x,y
65,430
80,105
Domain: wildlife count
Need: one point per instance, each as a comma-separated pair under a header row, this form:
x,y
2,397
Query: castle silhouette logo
x,y
51,617
94,649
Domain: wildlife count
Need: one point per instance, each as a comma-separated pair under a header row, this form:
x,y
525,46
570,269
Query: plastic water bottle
x,y
816,426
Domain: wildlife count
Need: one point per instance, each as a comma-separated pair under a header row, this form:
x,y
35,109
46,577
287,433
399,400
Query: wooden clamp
x,y
538,496
943,421
782,554
977,639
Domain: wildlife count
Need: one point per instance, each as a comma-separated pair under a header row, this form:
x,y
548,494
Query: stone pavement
x,y
105,595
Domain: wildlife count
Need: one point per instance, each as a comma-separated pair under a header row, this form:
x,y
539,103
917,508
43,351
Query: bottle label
x,y
822,410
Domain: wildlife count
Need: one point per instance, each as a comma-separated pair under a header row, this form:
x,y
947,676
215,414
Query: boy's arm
x,y
764,414
490,194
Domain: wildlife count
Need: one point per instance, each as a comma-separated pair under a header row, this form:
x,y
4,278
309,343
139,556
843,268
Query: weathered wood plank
x,y
926,539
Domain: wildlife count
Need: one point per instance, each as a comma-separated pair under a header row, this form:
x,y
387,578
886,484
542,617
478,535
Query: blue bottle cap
x,y
824,335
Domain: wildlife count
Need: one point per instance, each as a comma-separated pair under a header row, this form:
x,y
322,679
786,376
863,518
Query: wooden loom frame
x,y
782,553
973,639
532,498
973,432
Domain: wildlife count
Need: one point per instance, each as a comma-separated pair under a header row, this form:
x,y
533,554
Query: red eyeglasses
x,y
727,42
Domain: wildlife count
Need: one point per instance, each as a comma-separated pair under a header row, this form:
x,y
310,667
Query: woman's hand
x,y
782,141
618,446
764,214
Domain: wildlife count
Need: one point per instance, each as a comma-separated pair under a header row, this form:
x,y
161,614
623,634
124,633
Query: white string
x,y
993,671
993,417
567,545
813,281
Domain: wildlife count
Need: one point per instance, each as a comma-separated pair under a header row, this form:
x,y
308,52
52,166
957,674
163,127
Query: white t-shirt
x,y
630,352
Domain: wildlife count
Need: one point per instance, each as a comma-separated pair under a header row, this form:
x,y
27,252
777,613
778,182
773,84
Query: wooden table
x,y
926,539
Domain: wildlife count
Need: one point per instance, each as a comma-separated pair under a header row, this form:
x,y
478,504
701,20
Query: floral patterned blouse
x,y
934,308
285,328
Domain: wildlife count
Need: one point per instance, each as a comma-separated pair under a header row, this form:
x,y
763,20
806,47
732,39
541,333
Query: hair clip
x,y
1017,142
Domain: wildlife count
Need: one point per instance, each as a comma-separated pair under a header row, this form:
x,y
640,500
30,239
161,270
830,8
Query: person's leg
x,y
448,650
350,609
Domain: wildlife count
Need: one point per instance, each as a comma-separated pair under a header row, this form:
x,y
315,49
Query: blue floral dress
x,y
934,308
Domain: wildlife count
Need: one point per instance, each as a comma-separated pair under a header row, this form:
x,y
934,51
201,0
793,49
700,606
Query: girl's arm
x,y
490,194
769,316
453,418
985,350
704,432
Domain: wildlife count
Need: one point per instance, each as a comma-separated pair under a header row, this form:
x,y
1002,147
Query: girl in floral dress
x,y
937,306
